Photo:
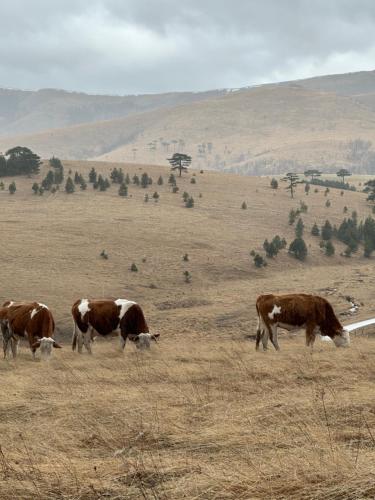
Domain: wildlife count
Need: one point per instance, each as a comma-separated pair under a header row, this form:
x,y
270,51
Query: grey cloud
x,y
135,46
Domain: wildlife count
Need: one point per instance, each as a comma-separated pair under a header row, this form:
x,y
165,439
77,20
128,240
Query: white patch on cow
x,y
33,313
83,307
276,310
10,303
36,310
342,340
125,305
143,341
46,344
43,306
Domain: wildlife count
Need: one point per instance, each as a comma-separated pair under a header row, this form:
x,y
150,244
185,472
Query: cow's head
x,y
143,340
45,344
341,338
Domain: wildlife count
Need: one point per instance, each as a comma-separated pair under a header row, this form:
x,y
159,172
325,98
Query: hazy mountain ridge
x,y
254,130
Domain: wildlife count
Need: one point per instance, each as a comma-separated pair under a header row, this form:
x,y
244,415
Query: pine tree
x,y
69,186
315,230
343,173
123,190
298,249
274,184
48,181
12,188
144,180
244,205
127,179
259,261
299,228
136,179
193,180
160,181
307,188
327,231
312,173
156,196
93,177
35,187
172,180
83,185
329,248
189,202
180,162
22,160
292,179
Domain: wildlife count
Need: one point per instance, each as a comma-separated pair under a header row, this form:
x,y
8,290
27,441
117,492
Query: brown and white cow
x,y
295,311
31,320
104,316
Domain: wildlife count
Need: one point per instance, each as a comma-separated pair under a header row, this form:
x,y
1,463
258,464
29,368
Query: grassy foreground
x,y
190,419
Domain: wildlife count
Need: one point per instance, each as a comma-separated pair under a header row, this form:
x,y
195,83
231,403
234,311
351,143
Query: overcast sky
x,y
143,46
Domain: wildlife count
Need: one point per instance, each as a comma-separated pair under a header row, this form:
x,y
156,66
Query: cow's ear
x,y
56,345
155,336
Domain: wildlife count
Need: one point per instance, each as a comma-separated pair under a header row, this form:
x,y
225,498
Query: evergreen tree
x,y
244,205
35,187
328,203
47,182
315,230
270,248
185,196
2,187
299,228
123,190
156,196
312,173
259,261
298,249
136,179
69,186
3,166
12,188
160,181
77,178
189,202
329,248
58,170
274,183
327,231
144,180
292,217
146,198
180,162
193,180
342,173
83,185
307,188
22,160
93,176
369,189
127,179
172,180
292,179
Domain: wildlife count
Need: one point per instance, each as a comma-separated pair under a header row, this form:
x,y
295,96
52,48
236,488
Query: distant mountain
x,y
24,111
327,122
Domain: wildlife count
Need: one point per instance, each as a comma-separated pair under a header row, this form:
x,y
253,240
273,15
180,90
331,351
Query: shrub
x,y
12,188
123,189
328,203
329,248
160,181
345,209
136,180
299,228
193,180
189,202
175,189
303,207
35,187
185,258
244,205
187,276
156,196
259,261
146,198
134,268
83,184
185,196
307,188
104,255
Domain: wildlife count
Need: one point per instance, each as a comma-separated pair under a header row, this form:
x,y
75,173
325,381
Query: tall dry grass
x,y
190,419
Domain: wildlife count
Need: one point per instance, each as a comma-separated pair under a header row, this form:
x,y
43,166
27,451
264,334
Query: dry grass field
x,y
202,415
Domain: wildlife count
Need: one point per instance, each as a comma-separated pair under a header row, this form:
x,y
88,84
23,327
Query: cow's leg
x,y
273,335
259,335
14,343
87,339
123,337
310,335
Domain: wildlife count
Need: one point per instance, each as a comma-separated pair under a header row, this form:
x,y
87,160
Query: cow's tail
x,y
74,336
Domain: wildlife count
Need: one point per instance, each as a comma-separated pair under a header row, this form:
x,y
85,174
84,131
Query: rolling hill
x,y
326,122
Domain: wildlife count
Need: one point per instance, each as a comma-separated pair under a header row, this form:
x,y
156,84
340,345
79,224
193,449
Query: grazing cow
x,y
30,320
104,316
295,311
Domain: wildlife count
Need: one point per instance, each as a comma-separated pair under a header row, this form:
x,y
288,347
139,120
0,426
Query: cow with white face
x,y
30,320
294,312
104,316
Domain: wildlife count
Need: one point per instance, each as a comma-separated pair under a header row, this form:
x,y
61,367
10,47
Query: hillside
x,y
260,130
26,111
202,415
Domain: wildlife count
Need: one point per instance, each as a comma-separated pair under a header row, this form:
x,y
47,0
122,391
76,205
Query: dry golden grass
x,y
201,415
